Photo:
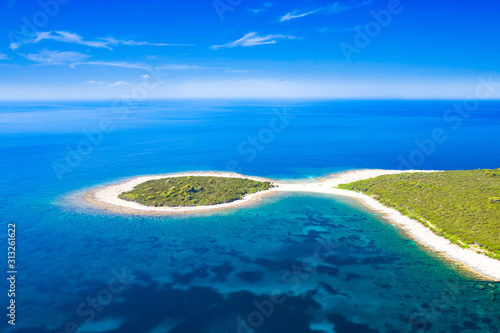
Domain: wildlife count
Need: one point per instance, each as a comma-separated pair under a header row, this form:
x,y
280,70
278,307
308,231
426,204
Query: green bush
x,y
494,200
492,173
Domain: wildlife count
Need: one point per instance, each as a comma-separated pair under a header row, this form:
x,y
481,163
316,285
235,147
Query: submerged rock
x,y
491,296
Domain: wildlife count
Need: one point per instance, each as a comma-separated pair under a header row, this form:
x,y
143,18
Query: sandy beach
x,y
107,198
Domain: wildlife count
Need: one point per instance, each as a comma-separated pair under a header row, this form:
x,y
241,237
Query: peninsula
x,y
463,206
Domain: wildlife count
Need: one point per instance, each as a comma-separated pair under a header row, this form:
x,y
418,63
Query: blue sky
x,y
75,49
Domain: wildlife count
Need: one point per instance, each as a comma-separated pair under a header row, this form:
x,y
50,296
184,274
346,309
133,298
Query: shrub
x,y
494,200
492,173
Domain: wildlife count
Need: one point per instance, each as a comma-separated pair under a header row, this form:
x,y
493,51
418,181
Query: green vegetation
x,y
463,206
193,191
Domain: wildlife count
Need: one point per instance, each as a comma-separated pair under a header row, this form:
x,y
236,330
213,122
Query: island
x,y
180,193
462,206
190,191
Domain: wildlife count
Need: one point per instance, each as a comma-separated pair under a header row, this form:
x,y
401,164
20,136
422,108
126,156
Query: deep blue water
x,y
340,267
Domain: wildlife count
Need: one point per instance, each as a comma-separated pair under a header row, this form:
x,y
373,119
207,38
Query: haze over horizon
x,y
346,49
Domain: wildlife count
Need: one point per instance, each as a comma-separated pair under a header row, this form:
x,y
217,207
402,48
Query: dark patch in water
x,y
250,276
281,266
333,271
222,271
328,288
342,325
351,276
187,278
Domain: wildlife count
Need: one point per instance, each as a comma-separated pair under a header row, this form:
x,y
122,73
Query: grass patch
x,y
463,206
190,191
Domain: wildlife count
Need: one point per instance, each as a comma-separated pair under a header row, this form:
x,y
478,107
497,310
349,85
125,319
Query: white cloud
x,y
252,39
336,7
145,76
95,82
3,56
181,67
142,66
60,36
113,64
69,37
256,11
294,15
56,57
265,7
119,83
113,41
110,85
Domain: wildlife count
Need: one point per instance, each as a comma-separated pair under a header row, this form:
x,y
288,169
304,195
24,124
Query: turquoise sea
x,y
292,263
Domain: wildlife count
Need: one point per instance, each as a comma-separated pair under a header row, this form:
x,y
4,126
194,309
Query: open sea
x,y
291,263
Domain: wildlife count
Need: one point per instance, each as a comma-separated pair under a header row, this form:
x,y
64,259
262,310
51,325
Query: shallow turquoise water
x,y
340,268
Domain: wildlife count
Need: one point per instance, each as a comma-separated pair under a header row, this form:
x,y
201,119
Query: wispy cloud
x,y
4,56
256,11
113,41
252,39
105,84
336,7
56,57
181,67
60,36
70,37
266,6
238,71
91,82
74,59
294,15
342,6
142,66
121,64
119,83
